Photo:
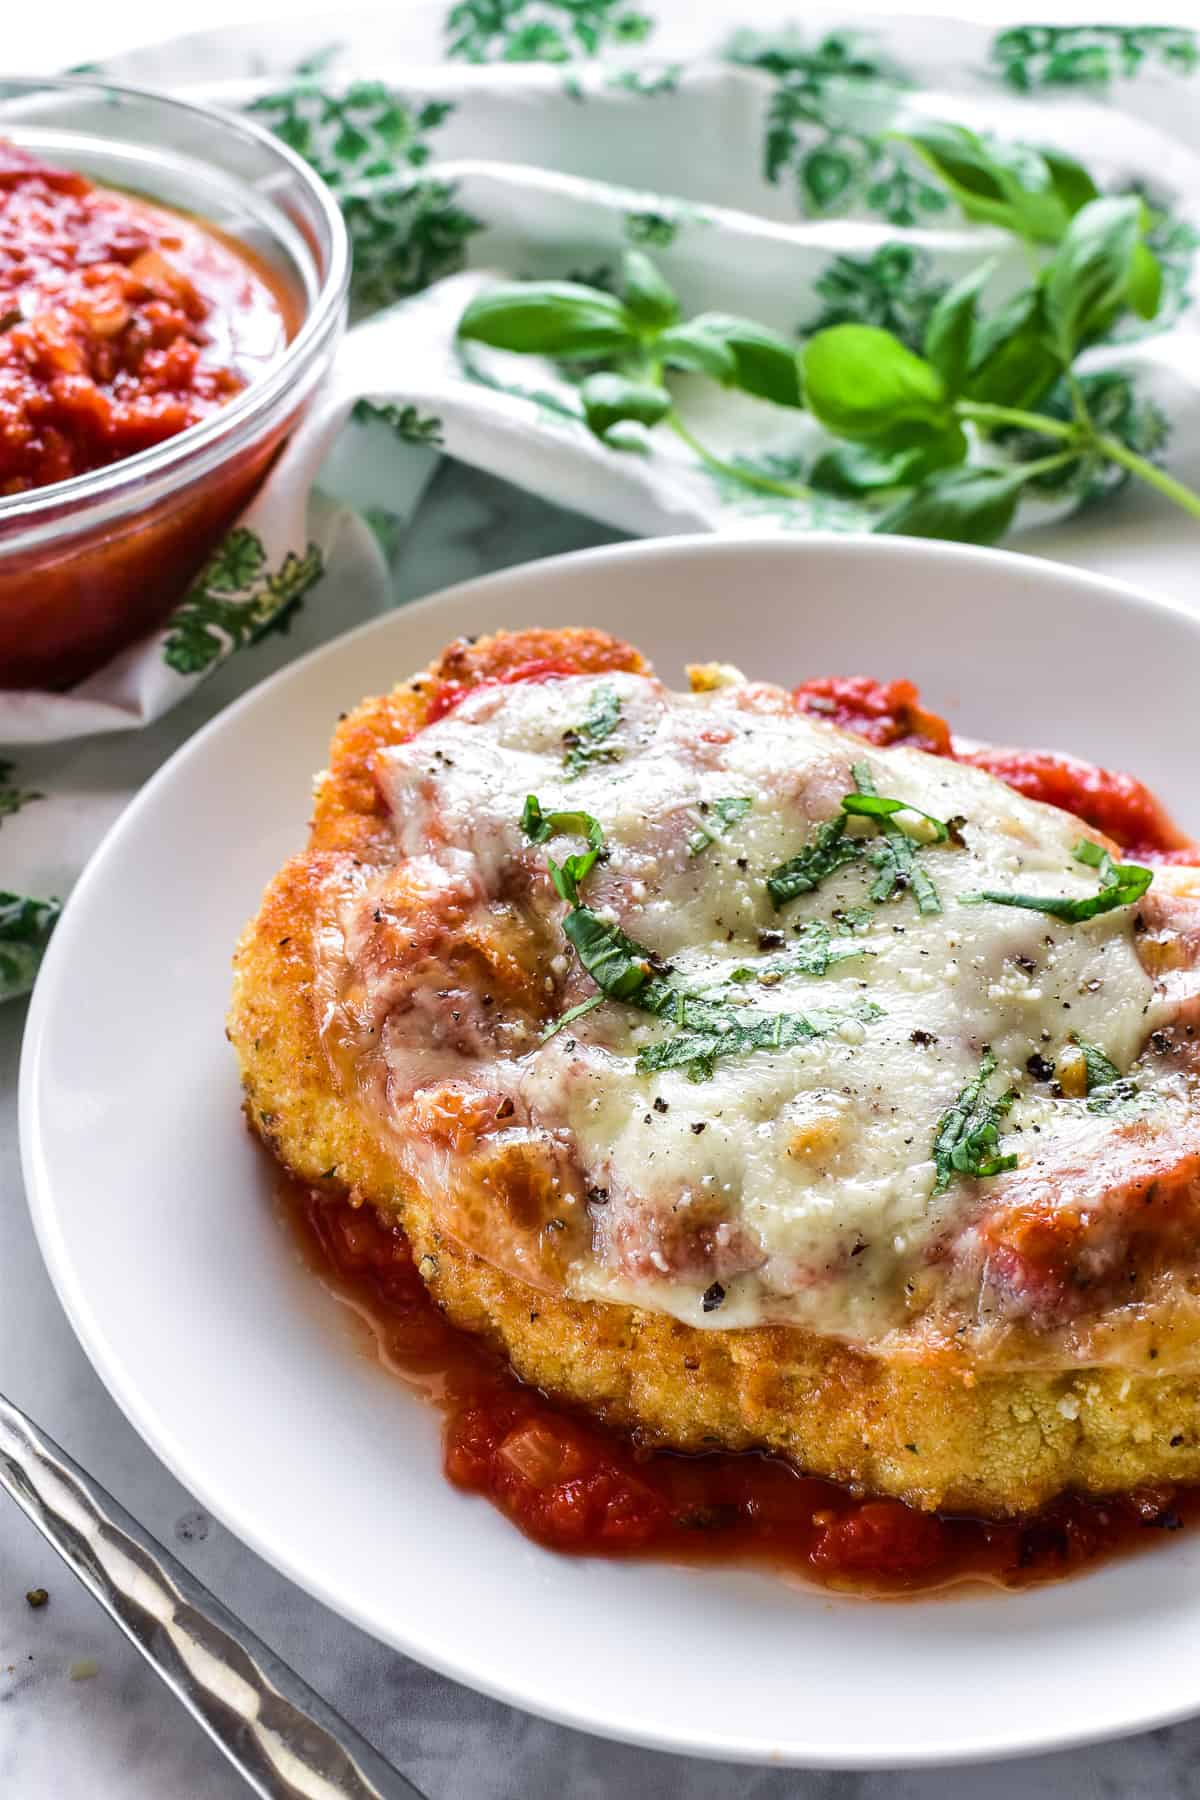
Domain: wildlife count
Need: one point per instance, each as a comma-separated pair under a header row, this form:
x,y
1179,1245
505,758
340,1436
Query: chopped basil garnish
x,y
1107,1088
967,1136
896,861
572,1013
698,1051
870,805
815,952
827,850
896,858
619,967
587,743
625,970
1121,884
538,826
720,816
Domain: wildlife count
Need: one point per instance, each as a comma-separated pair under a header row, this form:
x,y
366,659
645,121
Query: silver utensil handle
x,y
281,1736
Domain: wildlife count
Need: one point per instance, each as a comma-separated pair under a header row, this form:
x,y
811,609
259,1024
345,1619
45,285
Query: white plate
x,y
153,1211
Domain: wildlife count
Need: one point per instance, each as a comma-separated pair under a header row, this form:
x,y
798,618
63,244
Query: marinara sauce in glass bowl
x,y
172,292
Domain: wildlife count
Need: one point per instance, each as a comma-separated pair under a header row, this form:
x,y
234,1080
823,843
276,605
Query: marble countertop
x,y
117,1735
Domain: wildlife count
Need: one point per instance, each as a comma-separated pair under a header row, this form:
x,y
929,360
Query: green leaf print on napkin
x,y
648,84
368,142
814,134
25,928
552,31
1029,57
408,424
839,164
234,601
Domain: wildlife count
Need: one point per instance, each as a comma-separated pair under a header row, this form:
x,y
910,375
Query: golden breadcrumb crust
x,y
936,1436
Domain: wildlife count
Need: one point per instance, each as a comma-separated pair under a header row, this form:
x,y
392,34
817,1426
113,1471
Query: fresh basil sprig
x,y
983,372
944,444
1121,884
640,333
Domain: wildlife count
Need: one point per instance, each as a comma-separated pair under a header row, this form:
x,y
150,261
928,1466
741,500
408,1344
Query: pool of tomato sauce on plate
x,y
574,1486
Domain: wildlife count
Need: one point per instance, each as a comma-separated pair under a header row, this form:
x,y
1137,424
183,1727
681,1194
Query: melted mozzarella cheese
x,y
792,1183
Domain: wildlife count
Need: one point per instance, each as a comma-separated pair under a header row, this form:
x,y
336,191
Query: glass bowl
x,y
89,565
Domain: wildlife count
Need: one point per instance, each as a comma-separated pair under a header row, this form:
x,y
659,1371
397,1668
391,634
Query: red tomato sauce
x,y
121,323
889,712
573,1486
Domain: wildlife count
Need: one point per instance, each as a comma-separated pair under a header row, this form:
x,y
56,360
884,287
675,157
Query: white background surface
x,y
118,1736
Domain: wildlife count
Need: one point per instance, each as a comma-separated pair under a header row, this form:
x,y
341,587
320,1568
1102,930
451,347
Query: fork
x,y
282,1738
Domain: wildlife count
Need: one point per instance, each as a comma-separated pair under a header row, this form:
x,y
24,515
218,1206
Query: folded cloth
x,y
474,140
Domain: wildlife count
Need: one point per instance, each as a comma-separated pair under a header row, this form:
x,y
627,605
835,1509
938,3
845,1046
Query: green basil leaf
x,y
538,826
994,183
588,742
698,1049
572,1013
609,399
879,806
827,850
966,1137
896,858
903,459
718,818
697,352
1107,1089
1070,181
617,965
950,333
815,952
861,383
1121,884
1145,282
1012,360
764,363
647,296
550,318
971,506
1089,276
